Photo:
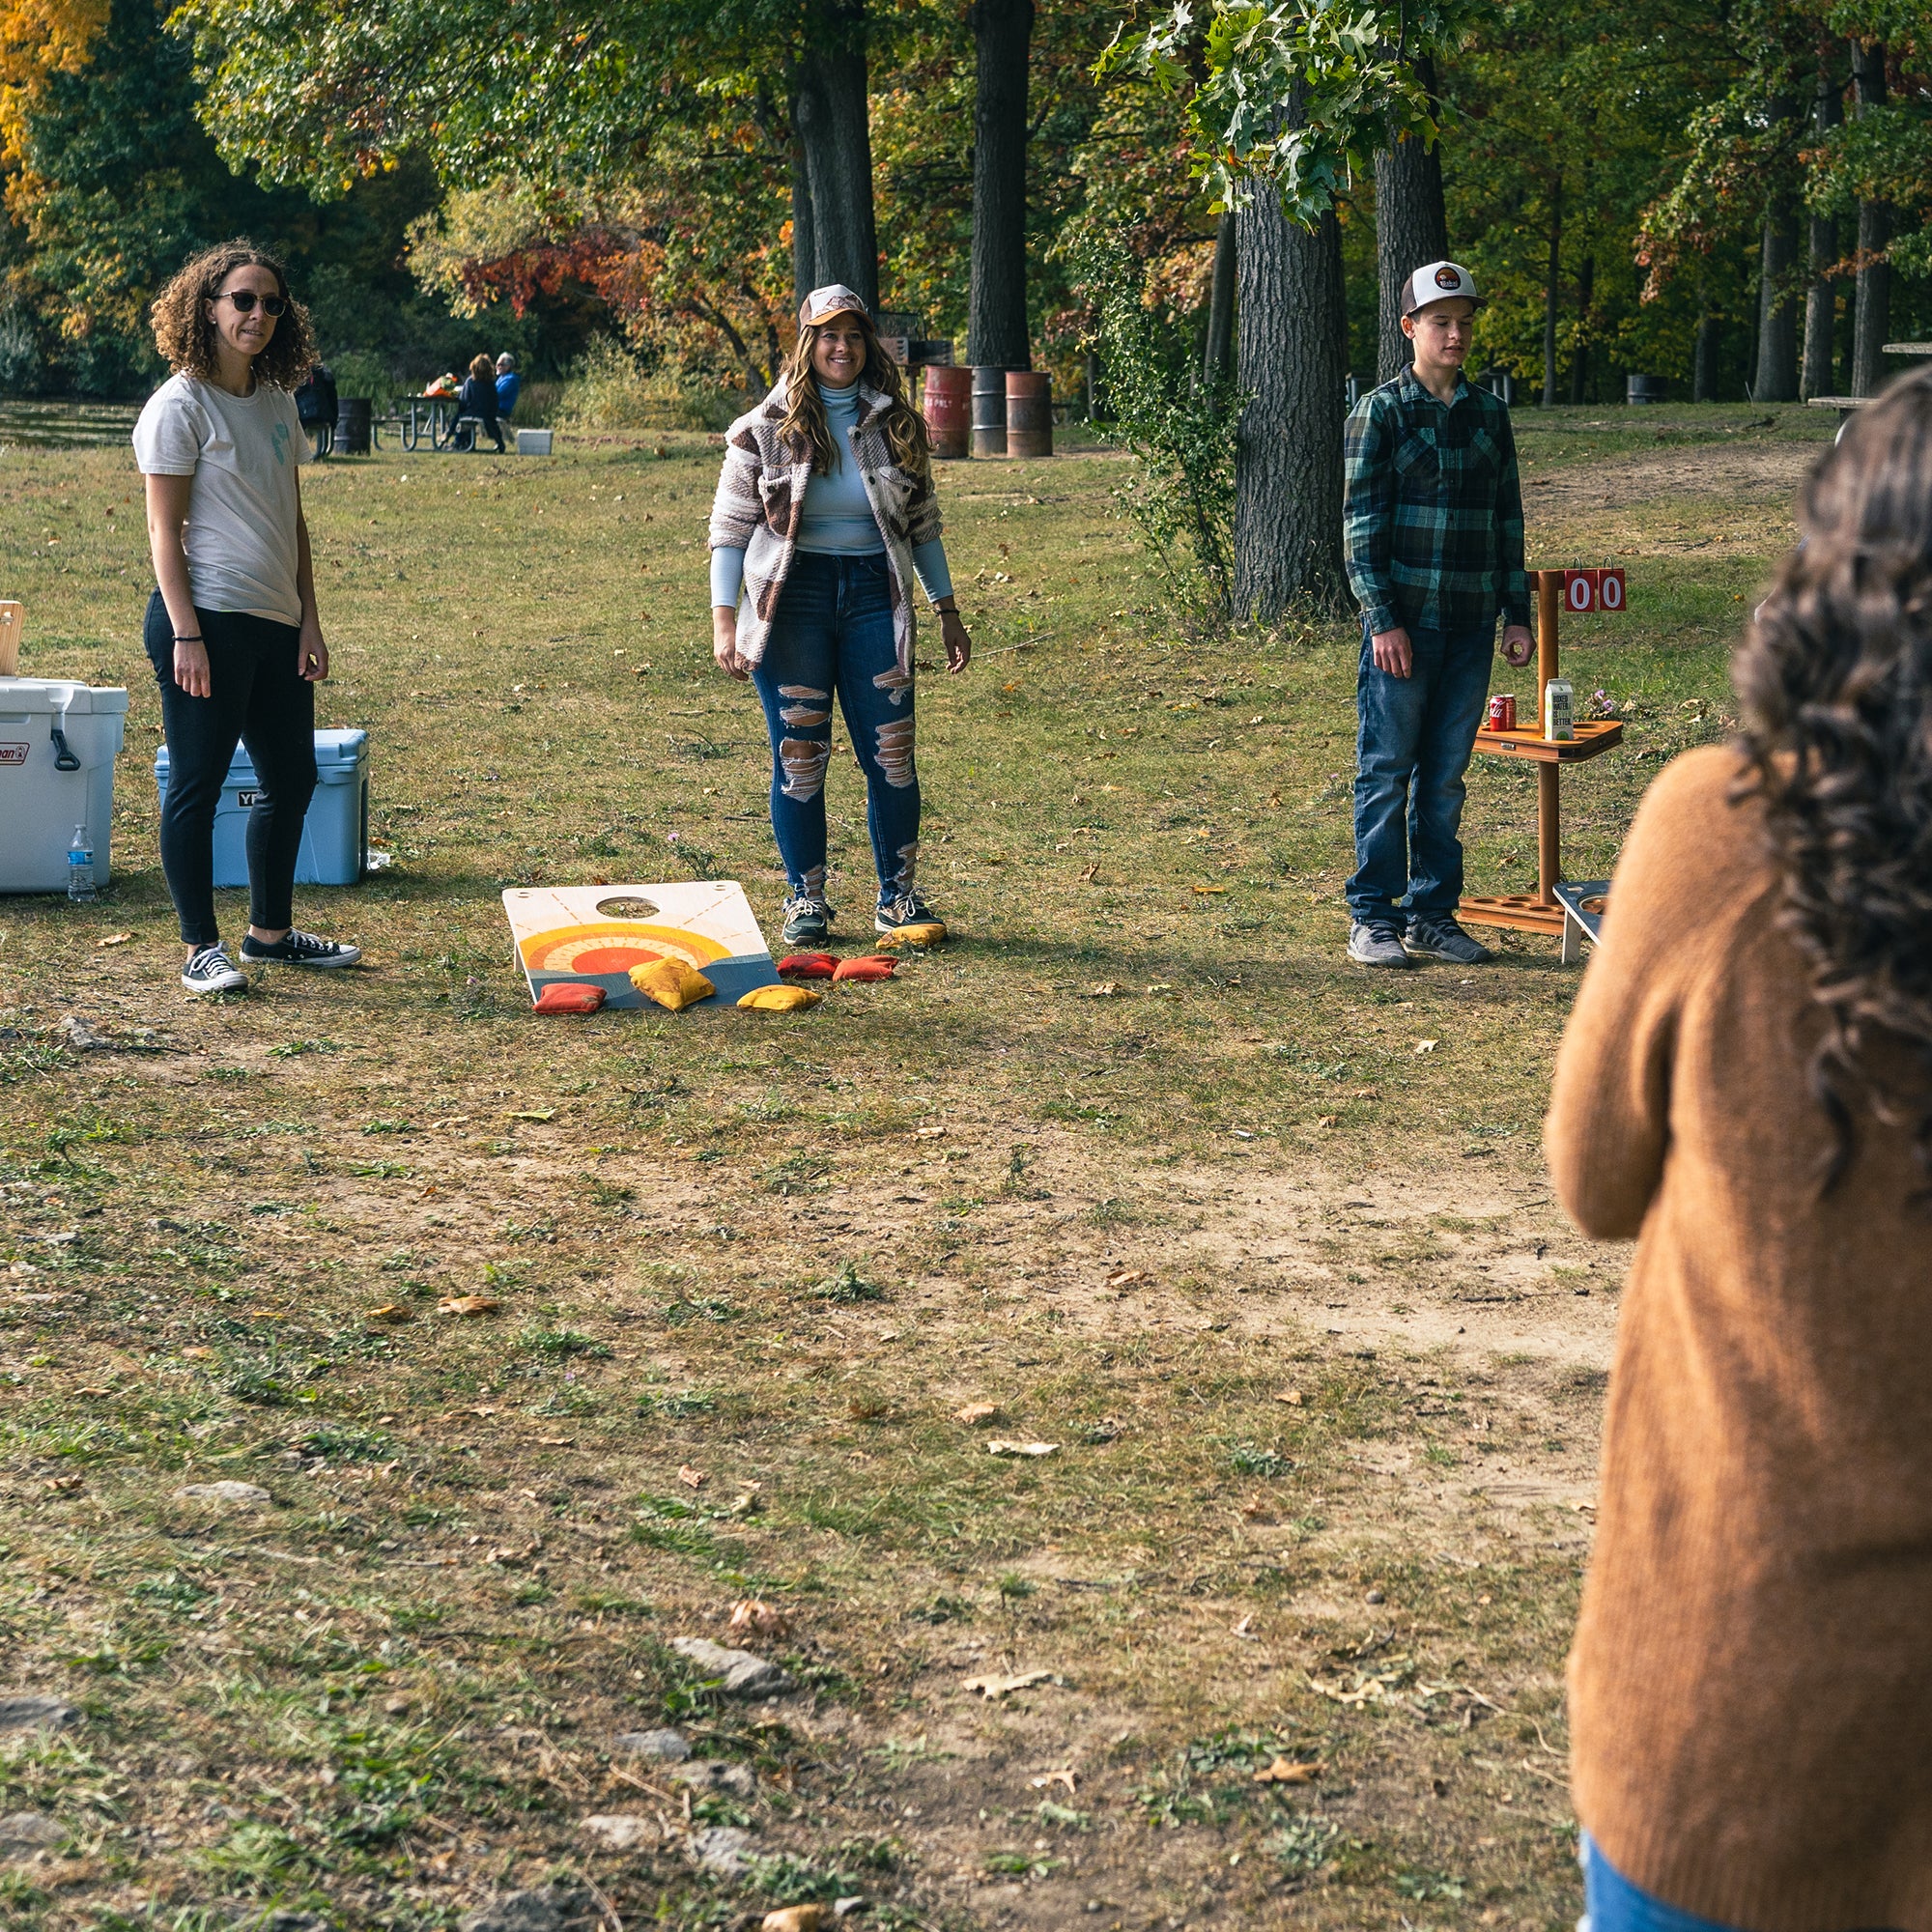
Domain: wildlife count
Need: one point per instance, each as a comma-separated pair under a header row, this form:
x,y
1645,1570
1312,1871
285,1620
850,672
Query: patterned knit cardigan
x,y
760,503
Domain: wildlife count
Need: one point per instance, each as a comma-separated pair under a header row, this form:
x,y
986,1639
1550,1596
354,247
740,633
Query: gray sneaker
x,y
1376,941
1436,935
808,922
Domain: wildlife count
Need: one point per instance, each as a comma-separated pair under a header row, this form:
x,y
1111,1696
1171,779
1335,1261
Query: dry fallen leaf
x,y
468,1305
1283,1770
870,1407
1128,1278
1205,890
813,1917
1087,877
556,1442
1048,1780
1246,1631
536,1113
977,1412
692,1479
755,1618
993,1685
390,1311
451,1120
1293,1397
927,1133
115,939
1426,1045
999,1447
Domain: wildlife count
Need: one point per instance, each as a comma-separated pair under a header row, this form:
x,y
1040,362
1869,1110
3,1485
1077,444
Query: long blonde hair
x,y
805,428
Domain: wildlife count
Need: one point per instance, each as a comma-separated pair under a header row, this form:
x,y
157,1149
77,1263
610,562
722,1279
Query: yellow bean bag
x,y
671,983
781,999
929,933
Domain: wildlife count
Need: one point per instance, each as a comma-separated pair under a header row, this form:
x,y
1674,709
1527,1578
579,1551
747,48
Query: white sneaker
x,y
211,971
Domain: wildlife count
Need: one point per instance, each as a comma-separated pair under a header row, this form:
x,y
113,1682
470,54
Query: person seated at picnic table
x,y
509,384
477,398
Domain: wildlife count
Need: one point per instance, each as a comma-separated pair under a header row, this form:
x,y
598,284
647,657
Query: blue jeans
x,y
1418,733
833,631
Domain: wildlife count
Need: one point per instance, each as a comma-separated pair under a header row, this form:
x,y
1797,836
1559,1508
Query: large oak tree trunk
x,y
1777,298
1412,229
996,330
1821,298
1293,331
1872,301
1219,351
829,110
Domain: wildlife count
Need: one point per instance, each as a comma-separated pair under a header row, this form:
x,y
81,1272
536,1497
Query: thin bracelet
x,y
195,639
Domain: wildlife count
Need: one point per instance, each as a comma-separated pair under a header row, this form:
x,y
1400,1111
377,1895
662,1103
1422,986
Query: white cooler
x,y
58,742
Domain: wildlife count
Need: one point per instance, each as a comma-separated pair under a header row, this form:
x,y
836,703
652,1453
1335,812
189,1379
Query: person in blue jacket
x,y
509,384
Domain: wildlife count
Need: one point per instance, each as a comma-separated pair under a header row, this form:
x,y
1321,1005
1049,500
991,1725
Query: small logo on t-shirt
x,y
278,438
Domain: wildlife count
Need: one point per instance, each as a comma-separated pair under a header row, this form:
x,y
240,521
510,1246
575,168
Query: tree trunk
x,y
1412,229
1872,300
1550,294
1821,298
996,326
1777,298
829,109
803,248
1293,331
1579,361
1704,361
1220,349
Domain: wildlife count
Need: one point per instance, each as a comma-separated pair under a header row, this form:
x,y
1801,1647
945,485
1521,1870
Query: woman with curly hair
x,y
825,512
1746,1087
232,629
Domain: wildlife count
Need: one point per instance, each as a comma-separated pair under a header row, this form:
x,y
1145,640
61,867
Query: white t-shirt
x,y
242,512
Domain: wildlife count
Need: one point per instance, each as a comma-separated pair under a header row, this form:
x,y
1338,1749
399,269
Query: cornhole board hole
x,y
1583,904
593,935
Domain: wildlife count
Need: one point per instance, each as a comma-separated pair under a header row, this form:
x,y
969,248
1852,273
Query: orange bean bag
x,y
808,965
871,967
562,996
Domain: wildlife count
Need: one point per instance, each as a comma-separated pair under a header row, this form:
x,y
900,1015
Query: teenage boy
x,y
1434,515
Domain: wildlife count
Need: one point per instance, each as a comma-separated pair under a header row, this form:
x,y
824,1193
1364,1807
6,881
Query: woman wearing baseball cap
x,y
825,512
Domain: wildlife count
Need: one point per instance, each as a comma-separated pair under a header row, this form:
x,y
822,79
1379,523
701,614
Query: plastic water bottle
x,y
80,866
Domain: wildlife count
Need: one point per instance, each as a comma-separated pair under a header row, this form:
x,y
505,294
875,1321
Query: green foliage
x,y
1178,425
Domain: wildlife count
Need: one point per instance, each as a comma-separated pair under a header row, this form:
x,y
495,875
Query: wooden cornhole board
x,y
593,935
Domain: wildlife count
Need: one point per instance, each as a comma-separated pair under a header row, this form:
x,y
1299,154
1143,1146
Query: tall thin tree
x,y
1412,225
830,114
1778,298
1871,312
996,329
1821,296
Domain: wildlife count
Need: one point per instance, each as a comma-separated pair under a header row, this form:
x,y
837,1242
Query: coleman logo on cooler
x,y
12,754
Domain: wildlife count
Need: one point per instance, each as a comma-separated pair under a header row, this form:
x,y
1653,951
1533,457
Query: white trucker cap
x,y
1436,282
833,299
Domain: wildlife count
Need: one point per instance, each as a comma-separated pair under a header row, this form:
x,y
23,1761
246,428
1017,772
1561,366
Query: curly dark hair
x,y
186,336
805,427
1834,680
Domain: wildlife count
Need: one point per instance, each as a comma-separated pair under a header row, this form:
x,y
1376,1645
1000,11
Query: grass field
x,y
1262,1246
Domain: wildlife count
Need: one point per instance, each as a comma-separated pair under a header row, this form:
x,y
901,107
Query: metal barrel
x,y
352,425
1639,389
948,419
989,412
1029,412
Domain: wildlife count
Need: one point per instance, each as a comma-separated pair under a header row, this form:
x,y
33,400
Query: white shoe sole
x,y
239,983
352,957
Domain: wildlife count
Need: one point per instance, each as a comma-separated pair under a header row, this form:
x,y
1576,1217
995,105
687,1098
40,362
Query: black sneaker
x,y
806,922
211,971
895,915
1436,935
296,948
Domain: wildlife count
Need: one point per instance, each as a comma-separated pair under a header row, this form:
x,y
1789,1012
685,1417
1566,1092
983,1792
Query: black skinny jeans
x,y
258,700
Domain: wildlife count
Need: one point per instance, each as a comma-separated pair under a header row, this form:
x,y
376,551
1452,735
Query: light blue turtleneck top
x,y
837,518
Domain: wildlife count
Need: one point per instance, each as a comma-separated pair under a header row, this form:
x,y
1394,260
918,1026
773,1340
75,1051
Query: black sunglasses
x,y
245,301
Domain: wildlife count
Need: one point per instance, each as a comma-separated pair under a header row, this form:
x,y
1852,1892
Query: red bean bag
x,y
871,967
808,965
565,996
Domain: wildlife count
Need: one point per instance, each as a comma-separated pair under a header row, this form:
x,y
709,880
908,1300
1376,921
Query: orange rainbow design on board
x,y
615,946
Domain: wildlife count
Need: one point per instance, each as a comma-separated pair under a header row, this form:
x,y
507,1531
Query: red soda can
x,y
1509,711
1498,712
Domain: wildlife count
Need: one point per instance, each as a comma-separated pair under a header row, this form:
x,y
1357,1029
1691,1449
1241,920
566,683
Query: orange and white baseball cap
x,y
835,299
1436,282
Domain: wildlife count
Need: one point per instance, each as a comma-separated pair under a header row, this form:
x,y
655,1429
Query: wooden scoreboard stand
x,y
1555,589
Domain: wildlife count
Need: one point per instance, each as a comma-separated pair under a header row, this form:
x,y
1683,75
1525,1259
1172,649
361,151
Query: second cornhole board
x,y
593,935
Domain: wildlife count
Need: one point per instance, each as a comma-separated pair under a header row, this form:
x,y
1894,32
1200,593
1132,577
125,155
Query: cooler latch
x,y
66,759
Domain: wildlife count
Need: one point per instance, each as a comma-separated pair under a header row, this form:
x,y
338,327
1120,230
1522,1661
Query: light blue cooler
x,y
335,834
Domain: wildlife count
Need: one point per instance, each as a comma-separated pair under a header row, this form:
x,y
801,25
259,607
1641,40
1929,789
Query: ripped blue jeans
x,y
834,633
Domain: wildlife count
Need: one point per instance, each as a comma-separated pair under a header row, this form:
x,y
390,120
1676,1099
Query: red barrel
x,y
949,409
1029,412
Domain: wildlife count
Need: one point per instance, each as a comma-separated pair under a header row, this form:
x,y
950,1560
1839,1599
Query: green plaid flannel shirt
x,y
1433,509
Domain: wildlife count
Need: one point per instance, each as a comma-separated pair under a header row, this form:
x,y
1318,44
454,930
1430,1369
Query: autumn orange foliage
x,y
38,40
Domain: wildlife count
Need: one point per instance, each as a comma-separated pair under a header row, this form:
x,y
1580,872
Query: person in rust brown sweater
x,y
1746,1087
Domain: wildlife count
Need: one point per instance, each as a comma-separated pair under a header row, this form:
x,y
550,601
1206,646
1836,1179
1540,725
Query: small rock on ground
x,y
668,1746
27,1830
717,1848
23,1711
224,1493
744,1675
620,1831
707,1776
550,1909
